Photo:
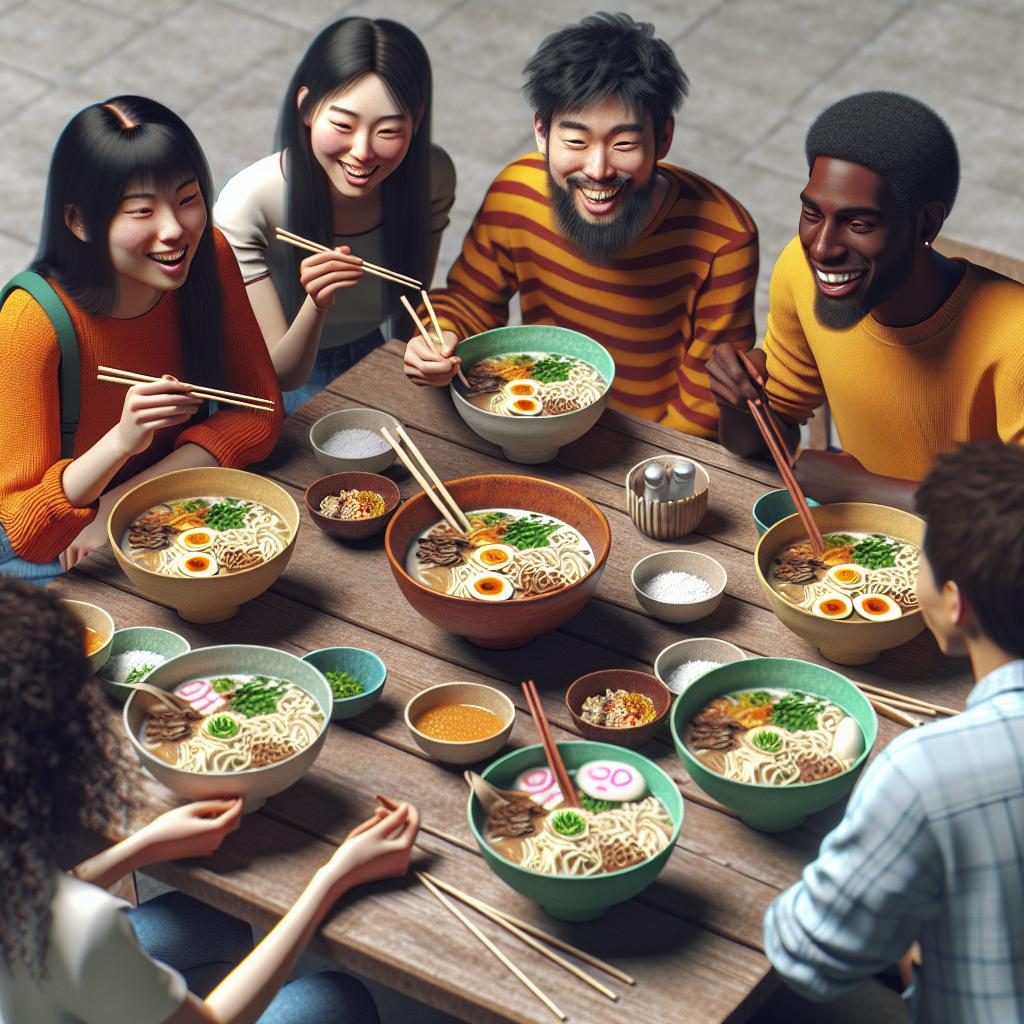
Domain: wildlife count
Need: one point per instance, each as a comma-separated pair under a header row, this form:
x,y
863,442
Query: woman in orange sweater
x,y
150,287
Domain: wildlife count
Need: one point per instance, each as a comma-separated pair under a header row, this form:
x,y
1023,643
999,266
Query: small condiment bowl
x,y
141,638
352,529
773,506
95,618
692,562
364,665
464,751
701,648
352,419
618,679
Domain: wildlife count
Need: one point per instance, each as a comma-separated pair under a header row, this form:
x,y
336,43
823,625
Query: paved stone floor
x,y
760,70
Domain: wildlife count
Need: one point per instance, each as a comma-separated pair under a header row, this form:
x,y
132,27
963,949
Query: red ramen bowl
x,y
509,623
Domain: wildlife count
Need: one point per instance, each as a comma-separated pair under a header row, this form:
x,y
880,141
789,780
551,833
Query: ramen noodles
x,y
533,384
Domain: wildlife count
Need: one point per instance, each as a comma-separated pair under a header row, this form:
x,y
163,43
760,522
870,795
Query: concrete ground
x,y
760,70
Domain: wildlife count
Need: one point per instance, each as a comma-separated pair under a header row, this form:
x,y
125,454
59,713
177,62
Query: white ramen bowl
x,y
254,785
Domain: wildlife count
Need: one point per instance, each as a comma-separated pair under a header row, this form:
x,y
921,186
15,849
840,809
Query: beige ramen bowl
x,y
843,641
213,598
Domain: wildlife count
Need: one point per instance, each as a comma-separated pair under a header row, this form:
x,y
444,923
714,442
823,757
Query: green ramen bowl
x,y
532,439
577,897
765,807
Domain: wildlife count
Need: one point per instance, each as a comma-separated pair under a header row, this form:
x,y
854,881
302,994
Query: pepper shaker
x,y
682,482
656,483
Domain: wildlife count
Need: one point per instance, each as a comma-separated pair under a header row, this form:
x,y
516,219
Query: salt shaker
x,y
656,483
681,483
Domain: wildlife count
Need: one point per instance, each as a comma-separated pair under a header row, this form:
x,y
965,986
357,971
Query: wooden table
x,y
694,938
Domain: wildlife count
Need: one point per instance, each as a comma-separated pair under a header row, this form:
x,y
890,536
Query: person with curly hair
x,y
68,950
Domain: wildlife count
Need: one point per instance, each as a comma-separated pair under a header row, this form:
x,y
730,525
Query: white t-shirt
x,y
251,206
96,972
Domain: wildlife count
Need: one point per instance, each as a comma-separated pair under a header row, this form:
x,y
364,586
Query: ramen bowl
x,y
365,666
254,785
352,529
460,751
135,640
597,683
576,897
532,439
692,562
773,506
499,624
773,808
210,598
93,617
845,642
689,652
353,419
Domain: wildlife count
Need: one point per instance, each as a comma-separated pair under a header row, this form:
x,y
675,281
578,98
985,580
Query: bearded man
x,y
597,235
914,352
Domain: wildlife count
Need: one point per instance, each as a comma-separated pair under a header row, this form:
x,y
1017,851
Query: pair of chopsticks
x,y
547,740
290,238
422,327
441,497
127,378
773,438
894,706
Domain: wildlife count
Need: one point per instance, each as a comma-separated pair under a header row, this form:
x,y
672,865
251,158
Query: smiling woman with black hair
x,y
150,287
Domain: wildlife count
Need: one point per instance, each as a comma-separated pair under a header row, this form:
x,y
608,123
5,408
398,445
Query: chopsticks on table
x,y
441,497
547,740
894,706
114,376
422,327
290,238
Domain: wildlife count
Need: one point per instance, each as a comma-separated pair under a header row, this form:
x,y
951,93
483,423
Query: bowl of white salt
x,y
349,441
681,664
679,586
134,653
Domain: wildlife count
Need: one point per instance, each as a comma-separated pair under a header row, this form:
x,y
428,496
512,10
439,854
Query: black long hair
x,y
129,143
343,52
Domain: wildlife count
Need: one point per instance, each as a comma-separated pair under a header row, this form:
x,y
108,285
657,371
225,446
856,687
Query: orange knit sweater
x,y
39,520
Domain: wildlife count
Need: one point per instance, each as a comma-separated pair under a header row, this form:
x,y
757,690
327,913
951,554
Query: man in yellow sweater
x,y
913,352
594,234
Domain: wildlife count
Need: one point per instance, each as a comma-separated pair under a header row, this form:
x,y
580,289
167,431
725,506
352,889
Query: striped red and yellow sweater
x,y
685,285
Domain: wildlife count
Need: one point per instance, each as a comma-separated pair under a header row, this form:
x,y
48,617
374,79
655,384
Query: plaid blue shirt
x,y
931,848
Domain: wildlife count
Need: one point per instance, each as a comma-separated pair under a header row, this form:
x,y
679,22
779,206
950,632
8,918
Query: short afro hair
x,y
900,138
605,55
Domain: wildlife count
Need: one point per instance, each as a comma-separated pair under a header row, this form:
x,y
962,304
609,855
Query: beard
x,y
601,241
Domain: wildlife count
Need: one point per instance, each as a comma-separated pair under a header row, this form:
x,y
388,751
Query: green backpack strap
x,y
42,291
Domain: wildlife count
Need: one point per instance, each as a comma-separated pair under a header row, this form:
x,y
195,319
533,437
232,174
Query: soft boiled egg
x,y
847,576
197,565
848,743
528,406
493,556
199,538
833,606
524,388
491,588
877,607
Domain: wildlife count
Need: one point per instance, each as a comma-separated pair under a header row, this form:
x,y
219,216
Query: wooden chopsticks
x,y
895,706
422,327
441,497
547,740
290,238
127,378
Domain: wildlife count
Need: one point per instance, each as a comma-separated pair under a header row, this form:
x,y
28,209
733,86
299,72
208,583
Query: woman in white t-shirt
x,y
69,953
354,170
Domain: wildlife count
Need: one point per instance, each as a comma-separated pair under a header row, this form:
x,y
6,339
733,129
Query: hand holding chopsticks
x,y
128,378
438,339
290,238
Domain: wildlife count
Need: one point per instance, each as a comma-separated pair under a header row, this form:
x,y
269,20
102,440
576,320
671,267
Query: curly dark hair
x,y
61,766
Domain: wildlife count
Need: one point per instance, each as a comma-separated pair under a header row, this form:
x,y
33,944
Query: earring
x,y
927,244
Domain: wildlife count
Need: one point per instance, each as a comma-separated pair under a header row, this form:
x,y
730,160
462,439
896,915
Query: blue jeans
x,y
11,564
329,363
205,945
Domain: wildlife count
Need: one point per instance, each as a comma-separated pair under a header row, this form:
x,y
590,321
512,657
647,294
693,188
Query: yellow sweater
x,y
685,285
899,396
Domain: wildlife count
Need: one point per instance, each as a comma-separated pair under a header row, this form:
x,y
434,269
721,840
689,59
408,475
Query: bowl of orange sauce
x,y
97,632
460,723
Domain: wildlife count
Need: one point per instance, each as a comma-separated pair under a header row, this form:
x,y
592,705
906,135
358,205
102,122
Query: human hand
x,y
728,378
151,406
379,847
91,539
325,273
425,365
195,830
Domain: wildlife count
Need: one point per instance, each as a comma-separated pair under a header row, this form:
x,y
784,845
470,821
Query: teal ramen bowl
x,y
364,665
532,439
772,507
764,807
575,897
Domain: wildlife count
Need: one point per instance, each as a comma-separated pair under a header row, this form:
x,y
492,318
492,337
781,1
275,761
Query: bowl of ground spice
x,y
618,705
352,506
679,586
460,723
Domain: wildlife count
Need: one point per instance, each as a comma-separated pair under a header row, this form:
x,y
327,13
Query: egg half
x,y
833,606
199,538
848,742
524,388
493,556
847,576
491,588
197,565
877,607
525,406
